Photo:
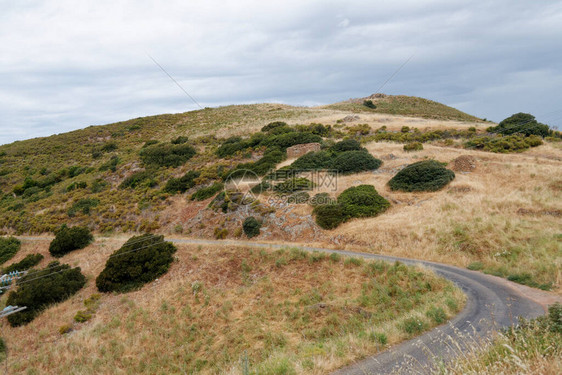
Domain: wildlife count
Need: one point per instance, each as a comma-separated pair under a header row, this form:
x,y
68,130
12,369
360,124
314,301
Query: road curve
x,y
491,304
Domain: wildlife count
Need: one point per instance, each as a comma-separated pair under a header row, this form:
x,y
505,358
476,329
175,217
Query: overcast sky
x,y
68,64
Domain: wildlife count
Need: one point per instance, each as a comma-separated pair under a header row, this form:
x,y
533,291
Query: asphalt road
x,y
492,304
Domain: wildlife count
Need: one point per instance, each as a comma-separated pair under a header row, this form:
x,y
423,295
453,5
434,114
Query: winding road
x,y
492,303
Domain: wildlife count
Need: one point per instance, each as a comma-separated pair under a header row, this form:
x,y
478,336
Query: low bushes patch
x,y
40,289
251,227
426,175
139,261
9,246
26,263
68,239
207,192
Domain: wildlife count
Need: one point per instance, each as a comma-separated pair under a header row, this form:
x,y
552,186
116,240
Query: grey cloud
x,y
65,65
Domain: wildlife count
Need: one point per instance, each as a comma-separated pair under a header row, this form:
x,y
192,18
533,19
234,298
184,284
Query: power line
x,y
176,82
394,74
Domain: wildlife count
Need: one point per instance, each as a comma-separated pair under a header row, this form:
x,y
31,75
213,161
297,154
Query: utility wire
x,y
176,82
394,74
25,281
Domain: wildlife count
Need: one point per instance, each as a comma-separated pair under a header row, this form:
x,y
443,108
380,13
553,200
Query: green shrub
x,y
82,316
380,338
109,146
9,246
265,164
98,185
504,144
273,125
347,145
475,266
369,104
355,161
413,146
40,289
207,192
413,326
522,123
182,184
282,141
69,239
405,129
136,179
179,140
251,227
31,260
426,175
139,261
167,155
329,216
150,142
437,314
221,233
312,161
231,146
362,201
110,165
82,205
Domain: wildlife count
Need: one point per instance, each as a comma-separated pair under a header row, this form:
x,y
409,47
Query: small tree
x,y
9,246
426,175
251,227
69,239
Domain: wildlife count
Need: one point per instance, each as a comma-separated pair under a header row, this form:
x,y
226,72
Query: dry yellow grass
x,y
507,214
283,309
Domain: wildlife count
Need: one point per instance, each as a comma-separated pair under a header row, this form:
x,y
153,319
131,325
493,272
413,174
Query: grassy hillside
x,y
282,312
404,106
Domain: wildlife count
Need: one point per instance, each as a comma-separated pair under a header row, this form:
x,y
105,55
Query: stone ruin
x,y
299,150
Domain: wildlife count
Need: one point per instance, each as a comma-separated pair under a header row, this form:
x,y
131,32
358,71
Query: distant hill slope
x,y
75,177
405,106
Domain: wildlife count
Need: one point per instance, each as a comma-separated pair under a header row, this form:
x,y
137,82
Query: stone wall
x,y
299,150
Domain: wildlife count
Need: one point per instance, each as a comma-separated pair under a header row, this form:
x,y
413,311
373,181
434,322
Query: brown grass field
x,y
283,311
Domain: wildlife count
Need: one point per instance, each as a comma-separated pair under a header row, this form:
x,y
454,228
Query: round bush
x,y
69,239
354,162
312,161
347,145
362,201
251,227
139,261
413,146
427,175
38,290
329,216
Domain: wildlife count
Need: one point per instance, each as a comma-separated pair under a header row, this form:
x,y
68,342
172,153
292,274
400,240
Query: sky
x,y
65,65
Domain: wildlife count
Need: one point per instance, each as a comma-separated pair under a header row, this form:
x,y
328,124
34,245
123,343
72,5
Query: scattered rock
x,y
351,118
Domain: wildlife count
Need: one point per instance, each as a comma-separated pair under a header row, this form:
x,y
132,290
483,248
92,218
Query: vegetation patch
x,y
533,346
355,161
251,227
427,175
504,144
37,290
68,239
207,192
139,261
9,246
181,184
167,155
521,123
30,260
413,146
354,202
